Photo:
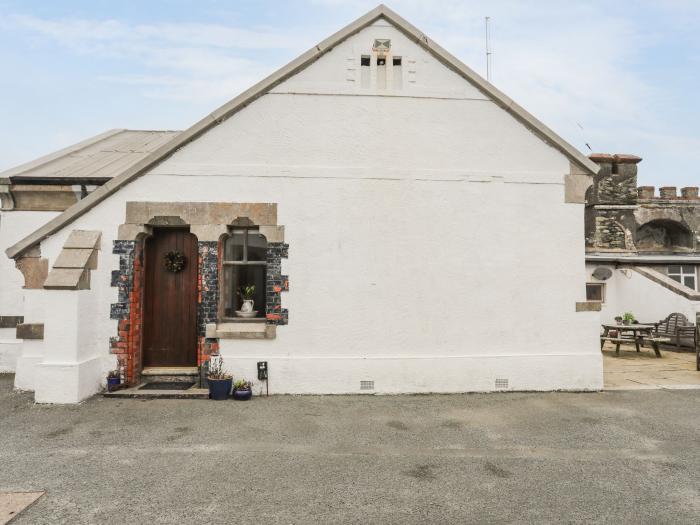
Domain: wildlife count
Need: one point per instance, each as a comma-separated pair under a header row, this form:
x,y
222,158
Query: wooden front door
x,y
170,301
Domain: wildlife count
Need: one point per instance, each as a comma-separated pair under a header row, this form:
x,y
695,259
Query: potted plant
x,y
627,318
242,390
114,379
618,319
247,293
219,380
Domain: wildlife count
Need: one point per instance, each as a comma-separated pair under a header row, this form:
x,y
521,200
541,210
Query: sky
x,y
615,77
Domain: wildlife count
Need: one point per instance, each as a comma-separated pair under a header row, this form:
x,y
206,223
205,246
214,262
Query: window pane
x,y
227,285
689,269
257,246
674,269
234,246
675,277
236,277
594,292
689,281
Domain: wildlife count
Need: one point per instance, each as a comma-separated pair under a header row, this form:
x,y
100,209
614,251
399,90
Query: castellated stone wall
x,y
623,217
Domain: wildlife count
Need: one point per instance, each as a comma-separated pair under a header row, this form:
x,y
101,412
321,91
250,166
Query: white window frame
x,y
680,276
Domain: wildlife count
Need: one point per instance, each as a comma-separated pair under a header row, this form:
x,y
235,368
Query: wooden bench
x,y
619,341
678,330
655,341
637,341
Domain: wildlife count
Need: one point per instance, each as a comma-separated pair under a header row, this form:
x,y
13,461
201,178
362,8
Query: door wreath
x,y
174,262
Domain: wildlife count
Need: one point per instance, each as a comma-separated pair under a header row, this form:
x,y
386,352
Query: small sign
x,y
382,45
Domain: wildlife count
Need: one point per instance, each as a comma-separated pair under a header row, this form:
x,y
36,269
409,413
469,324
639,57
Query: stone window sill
x,y
248,329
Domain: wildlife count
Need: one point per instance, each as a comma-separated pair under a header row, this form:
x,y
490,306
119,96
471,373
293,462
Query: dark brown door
x,y
170,305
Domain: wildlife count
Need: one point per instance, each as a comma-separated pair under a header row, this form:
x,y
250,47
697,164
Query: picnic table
x,y
632,333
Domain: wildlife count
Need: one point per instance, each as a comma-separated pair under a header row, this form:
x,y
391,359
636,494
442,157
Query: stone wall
x,y
128,280
623,217
207,296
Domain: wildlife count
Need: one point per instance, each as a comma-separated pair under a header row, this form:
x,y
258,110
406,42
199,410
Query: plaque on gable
x,y
382,45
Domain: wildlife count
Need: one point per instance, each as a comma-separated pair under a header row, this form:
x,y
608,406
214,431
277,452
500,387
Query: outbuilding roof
x,y
230,108
92,161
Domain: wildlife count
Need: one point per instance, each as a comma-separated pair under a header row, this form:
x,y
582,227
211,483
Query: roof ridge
x,y
259,89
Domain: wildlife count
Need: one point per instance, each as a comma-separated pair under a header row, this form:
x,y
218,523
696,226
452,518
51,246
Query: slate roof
x,y
92,161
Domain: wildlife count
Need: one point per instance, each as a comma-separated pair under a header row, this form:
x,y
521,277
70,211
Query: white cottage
x,y
407,228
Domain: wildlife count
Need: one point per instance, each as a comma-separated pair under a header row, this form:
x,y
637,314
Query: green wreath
x,y
174,262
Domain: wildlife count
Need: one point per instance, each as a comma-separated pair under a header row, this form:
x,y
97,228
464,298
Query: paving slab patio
x,y
642,370
13,503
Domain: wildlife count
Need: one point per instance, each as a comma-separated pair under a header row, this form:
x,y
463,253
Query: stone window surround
x,y
602,292
211,222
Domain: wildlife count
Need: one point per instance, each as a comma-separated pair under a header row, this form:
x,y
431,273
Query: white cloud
x,y
186,61
569,63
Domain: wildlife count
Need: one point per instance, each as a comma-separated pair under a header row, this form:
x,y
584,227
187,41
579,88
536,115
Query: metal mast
x,y
488,49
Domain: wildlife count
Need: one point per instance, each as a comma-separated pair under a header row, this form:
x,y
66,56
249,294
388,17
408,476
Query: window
x,y
684,274
595,292
381,72
397,80
364,73
244,264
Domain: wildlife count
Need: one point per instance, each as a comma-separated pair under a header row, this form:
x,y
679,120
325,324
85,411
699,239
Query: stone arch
x,y
664,235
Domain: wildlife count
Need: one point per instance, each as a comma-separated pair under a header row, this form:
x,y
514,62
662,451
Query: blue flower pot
x,y
113,382
242,395
220,389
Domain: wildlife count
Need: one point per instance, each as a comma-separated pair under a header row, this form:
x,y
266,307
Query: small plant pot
x,y
242,395
113,383
626,322
219,389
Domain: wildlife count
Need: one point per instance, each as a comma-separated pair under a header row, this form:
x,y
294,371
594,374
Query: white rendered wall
x,y
628,291
430,245
14,225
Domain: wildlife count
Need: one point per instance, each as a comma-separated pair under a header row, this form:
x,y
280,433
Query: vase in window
x,y
246,294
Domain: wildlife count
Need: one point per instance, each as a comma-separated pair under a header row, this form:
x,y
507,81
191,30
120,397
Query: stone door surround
x,y
210,222
207,220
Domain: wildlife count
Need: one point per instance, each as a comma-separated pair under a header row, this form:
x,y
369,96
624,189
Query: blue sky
x,y
620,76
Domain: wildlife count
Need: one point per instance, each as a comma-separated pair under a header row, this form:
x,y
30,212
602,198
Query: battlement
x,y
688,193
616,183
623,217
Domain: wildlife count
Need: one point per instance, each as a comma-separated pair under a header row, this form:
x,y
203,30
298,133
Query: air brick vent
x,y
366,385
501,383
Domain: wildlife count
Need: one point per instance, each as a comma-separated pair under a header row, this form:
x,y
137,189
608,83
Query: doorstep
x,y
170,371
135,392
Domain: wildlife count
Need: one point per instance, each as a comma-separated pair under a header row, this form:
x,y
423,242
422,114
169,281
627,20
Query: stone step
x,y
135,392
174,373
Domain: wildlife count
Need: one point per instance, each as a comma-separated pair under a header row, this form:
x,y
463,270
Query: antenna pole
x,y
488,49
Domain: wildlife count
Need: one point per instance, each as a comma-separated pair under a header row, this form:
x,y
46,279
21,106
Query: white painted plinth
x,y
438,374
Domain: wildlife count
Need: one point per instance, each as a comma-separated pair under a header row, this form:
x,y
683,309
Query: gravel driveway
x,y
612,457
